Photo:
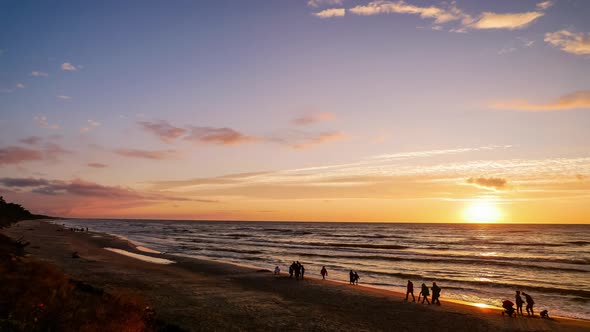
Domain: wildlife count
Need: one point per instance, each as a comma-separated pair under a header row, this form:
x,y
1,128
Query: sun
x,y
482,211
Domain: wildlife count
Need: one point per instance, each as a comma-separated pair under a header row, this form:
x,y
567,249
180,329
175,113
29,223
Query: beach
x,y
202,295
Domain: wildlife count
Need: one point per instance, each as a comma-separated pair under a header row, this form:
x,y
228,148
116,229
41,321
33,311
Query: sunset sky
x,y
319,110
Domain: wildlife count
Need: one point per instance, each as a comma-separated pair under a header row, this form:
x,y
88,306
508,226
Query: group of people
x,y
354,277
424,293
298,269
509,306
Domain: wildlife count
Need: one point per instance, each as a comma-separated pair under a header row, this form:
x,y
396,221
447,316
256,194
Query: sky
x,y
285,110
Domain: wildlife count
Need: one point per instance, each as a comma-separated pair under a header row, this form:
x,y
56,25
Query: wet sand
x,y
200,295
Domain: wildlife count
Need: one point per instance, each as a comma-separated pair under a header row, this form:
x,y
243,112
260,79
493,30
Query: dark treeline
x,y
12,212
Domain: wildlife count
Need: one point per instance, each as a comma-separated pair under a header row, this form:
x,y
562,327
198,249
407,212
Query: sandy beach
x,y
200,295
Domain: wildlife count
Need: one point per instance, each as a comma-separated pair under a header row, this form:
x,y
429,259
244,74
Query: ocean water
x,y
482,264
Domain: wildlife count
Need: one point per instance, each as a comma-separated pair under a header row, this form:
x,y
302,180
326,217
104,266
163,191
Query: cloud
x,y
313,118
317,139
318,3
38,73
575,100
493,183
68,67
332,12
97,165
46,152
508,21
91,124
31,140
17,155
220,136
165,131
62,97
439,15
148,154
20,86
544,5
571,42
41,121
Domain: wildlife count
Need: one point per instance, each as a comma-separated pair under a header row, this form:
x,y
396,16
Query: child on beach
x,y
277,270
324,272
356,278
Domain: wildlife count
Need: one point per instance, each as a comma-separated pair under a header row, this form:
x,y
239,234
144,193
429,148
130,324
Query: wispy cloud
x,y
17,155
41,121
332,12
568,41
97,165
575,100
90,124
544,5
31,140
62,97
38,73
311,140
508,21
148,154
319,3
20,86
218,136
438,14
165,131
68,67
313,118
493,183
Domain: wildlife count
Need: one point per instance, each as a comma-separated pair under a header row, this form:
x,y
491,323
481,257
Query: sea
x,y
481,264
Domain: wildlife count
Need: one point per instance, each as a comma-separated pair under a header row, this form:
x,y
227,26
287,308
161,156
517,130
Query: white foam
x,y
141,257
146,249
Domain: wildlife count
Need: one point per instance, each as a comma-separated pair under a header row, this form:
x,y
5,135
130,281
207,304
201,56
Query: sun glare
x,y
483,211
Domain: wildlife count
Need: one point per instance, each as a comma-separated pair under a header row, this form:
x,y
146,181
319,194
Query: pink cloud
x,y
148,154
97,165
313,118
17,155
220,136
165,131
31,140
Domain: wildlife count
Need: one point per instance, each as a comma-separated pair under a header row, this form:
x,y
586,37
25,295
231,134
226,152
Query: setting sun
x,y
483,211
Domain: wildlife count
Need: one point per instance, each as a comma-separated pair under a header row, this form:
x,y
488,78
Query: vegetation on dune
x,y
36,296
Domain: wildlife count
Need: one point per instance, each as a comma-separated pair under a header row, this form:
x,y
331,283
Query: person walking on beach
x,y
324,272
529,304
356,278
297,269
277,270
519,303
410,291
425,293
351,274
435,293
302,270
291,270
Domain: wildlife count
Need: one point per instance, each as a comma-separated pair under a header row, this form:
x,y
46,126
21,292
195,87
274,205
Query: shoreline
x,y
254,288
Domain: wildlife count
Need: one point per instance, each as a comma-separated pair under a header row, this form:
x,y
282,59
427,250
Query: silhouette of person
x,y
435,293
324,272
410,291
297,269
351,277
425,293
277,270
291,270
529,304
356,278
519,303
302,270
